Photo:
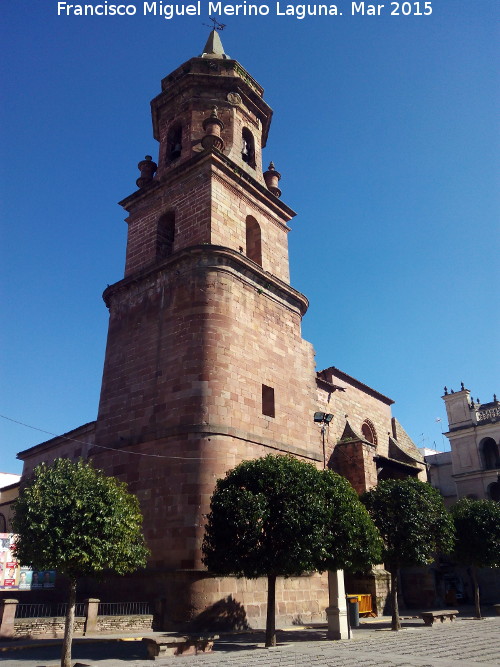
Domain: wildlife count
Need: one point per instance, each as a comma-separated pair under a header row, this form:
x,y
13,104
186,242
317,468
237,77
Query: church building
x,y
205,362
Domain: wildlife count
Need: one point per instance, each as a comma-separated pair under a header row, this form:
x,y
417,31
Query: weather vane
x,y
216,24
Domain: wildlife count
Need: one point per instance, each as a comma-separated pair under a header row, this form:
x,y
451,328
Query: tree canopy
x,y
413,523
72,518
477,525
412,520
279,516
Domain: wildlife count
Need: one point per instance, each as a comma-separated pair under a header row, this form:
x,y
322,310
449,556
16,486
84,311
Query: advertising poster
x,y
16,577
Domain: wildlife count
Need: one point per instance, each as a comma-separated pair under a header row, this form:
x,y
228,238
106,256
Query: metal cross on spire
x,y
213,47
216,24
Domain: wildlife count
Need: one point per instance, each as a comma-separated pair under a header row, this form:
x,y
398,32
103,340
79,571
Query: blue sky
x,y
385,133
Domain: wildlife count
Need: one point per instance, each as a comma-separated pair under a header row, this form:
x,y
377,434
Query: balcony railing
x,y
490,413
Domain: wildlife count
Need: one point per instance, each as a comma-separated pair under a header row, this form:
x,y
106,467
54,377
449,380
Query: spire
x,y
213,47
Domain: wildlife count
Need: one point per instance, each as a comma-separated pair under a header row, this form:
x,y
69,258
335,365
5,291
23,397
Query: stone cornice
x,y
418,466
356,383
226,75
211,430
466,429
258,191
70,436
240,179
207,258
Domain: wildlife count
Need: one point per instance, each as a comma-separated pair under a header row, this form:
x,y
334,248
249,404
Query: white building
x,y
472,468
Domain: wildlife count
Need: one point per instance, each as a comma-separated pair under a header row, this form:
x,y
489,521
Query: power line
x,y
113,449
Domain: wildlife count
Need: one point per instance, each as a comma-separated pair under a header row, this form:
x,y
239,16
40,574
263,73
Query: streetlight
x,y
323,418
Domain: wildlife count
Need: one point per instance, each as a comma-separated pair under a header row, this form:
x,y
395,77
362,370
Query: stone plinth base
x,y
336,612
194,601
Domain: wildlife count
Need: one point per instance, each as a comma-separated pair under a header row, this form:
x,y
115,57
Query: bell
x,y
176,151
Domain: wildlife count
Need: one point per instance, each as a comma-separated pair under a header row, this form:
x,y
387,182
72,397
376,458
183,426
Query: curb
x,y
37,643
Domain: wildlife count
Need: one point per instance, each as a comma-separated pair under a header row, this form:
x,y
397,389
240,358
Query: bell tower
x,y
209,108
205,364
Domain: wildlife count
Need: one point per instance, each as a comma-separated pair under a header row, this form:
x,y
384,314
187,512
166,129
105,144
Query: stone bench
x,y
444,615
160,647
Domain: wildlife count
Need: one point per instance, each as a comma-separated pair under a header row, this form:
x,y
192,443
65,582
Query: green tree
x,y
413,523
71,518
477,525
278,516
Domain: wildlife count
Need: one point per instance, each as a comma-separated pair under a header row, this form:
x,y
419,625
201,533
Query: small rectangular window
x,y
268,401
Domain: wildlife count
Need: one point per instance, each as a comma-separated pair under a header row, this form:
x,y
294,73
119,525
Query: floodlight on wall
x,y
322,417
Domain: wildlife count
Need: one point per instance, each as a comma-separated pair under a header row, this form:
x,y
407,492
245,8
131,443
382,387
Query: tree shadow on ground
x,y
256,639
83,652
386,625
224,615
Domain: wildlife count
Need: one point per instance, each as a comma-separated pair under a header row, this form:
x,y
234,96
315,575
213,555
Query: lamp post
x,y
336,611
323,418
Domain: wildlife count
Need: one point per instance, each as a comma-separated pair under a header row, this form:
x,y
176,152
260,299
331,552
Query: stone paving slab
x,y
468,643
463,643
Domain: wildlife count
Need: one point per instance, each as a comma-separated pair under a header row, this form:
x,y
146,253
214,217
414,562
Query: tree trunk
x,y
271,611
477,603
396,624
69,625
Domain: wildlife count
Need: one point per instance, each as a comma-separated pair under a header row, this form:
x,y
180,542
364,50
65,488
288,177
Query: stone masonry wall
x,y
187,356
209,208
54,626
299,600
195,600
235,118
230,207
81,441
196,344
189,197
355,405
112,624
45,627
354,460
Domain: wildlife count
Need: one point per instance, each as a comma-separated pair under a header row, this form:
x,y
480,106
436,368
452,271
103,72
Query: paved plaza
x,y
465,642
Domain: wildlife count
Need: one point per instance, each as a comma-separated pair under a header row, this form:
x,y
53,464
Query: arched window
x,y
174,142
3,524
248,147
368,431
253,238
489,452
165,235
